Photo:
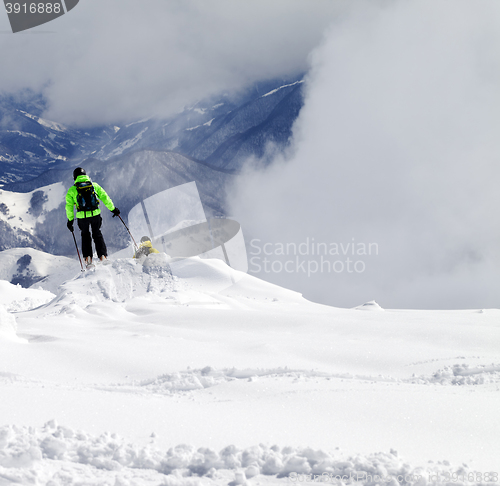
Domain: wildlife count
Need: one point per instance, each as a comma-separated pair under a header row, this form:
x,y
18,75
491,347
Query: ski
x,y
102,262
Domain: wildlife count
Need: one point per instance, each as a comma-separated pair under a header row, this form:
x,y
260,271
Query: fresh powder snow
x,y
155,372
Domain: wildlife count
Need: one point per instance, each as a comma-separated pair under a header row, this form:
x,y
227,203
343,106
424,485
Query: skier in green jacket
x,y
84,194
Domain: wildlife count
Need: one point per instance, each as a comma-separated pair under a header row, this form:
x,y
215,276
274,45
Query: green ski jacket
x,y
72,194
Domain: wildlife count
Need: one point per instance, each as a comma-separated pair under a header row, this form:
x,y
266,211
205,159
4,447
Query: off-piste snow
x,y
171,374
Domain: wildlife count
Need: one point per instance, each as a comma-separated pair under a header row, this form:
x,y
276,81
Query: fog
x,y
397,145
115,61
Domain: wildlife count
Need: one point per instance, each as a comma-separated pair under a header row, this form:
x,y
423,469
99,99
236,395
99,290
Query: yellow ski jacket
x,y
145,249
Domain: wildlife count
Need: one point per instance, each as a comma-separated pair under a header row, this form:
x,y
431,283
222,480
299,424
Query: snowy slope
x,y
23,210
29,267
22,213
254,377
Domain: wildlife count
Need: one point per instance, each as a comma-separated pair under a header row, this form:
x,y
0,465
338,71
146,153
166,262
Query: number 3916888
x,y
33,8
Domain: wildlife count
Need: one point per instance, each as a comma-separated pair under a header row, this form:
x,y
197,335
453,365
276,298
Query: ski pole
x,y
135,244
78,251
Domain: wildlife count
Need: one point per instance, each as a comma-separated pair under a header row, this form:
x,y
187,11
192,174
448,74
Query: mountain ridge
x,y
221,132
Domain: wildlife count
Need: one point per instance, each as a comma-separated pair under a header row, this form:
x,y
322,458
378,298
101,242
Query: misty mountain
x,y
221,132
29,144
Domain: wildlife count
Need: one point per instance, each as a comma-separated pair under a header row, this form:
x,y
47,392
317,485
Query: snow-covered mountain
x,y
21,212
221,132
127,376
29,144
27,267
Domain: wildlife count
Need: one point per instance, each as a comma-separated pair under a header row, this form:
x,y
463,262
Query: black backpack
x,y
86,200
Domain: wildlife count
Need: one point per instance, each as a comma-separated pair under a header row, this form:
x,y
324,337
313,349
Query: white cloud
x,y
115,60
397,144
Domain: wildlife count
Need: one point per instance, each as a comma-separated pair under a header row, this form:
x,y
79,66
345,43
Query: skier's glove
x,y
115,212
69,224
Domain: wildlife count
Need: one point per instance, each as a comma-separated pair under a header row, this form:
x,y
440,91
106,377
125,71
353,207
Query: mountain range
x,y
30,144
223,132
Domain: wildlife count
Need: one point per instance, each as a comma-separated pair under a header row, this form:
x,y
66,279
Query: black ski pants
x,y
94,223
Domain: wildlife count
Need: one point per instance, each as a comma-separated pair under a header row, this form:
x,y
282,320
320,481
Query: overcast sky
x,y
397,144
113,60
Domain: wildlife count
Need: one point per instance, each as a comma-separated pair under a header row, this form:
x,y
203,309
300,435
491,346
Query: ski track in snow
x,y
192,380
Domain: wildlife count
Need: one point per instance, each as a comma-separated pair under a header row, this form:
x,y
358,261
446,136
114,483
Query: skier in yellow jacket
x,y
85,195
145,248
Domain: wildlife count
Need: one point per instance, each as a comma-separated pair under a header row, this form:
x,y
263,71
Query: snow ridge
x,y
463,374
54,454
281,87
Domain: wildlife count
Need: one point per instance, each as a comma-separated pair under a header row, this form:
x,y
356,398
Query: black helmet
x,y
145,238
77,172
